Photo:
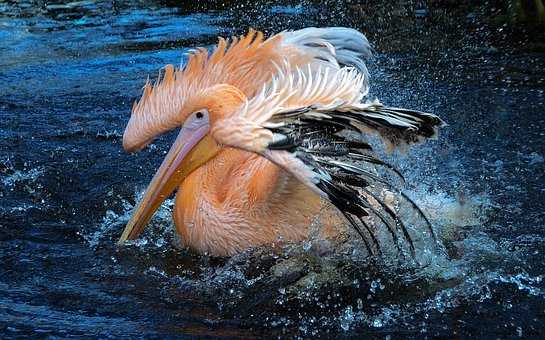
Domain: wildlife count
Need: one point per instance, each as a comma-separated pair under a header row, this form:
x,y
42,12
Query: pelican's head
x,y
165,107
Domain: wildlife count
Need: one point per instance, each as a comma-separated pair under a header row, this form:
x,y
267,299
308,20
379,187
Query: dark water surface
x,y
68,76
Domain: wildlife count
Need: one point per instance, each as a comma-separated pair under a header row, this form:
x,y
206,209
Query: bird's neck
x,y
238,200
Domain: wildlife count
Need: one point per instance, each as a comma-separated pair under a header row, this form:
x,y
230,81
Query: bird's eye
x,y
199,115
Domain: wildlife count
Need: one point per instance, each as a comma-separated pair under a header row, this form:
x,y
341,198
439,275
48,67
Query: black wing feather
x,y
318,141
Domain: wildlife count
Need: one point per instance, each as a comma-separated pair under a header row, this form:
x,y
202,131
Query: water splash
x,y
304,274
22,176
106,233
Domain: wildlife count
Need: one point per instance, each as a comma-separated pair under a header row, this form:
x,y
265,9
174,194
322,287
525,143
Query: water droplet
x,y
377,323
347,318
360,303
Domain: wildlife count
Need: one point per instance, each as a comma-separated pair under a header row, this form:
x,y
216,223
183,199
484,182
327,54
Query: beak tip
x,y
126,235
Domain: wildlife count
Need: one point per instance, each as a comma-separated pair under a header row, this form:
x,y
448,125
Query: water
x,y
68,76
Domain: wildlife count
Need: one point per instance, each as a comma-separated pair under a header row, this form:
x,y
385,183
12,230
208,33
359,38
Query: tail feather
x,y
335,45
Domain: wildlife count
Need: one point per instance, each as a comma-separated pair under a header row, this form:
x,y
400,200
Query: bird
x,y
272,137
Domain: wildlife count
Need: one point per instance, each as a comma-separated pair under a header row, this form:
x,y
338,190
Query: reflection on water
x,y
69,73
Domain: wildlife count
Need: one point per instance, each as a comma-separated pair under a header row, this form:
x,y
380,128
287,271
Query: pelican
x,y
271,140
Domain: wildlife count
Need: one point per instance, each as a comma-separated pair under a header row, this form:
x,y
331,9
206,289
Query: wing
x,y
311,122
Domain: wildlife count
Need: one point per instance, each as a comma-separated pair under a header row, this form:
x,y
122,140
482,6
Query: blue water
x,y
68,76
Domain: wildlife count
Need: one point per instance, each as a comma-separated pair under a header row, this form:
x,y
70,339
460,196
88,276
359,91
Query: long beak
x,y
192,148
